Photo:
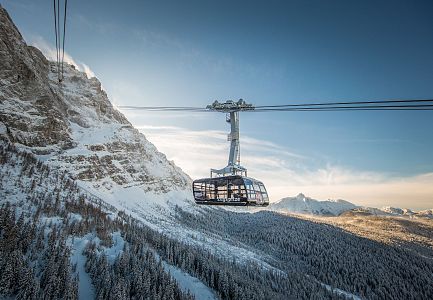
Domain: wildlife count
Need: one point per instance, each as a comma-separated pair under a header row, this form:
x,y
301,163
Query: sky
x,y
190,53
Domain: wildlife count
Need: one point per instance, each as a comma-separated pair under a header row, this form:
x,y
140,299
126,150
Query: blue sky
x,y
267,52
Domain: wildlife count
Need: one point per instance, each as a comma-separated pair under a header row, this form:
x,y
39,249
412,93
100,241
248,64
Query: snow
x,y
388,211
302,204
2,128
75,217
85,287
78,244
52,220
189,283
345,294
405,212
428,213
138,202
116,249
337,291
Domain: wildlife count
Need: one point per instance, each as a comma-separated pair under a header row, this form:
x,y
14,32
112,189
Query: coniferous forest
x,y
333,256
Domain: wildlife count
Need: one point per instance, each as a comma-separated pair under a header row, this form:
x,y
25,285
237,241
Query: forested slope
x,y
329,254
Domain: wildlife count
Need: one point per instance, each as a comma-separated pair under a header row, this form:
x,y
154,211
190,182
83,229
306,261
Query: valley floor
x,y
415,234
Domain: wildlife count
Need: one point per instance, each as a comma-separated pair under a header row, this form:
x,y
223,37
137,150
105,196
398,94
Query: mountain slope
x,y
346,260
74,127
428,213
305,205
388,211
308,206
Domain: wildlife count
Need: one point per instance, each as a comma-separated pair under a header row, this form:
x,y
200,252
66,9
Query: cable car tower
x,y
232,110
230,185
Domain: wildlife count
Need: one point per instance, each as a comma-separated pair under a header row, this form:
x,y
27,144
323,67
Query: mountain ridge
x,y
302,204
306,205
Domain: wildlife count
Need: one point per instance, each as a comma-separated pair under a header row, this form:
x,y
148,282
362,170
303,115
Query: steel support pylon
x,y
232,110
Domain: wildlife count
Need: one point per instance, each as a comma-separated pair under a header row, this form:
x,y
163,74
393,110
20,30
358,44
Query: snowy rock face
x,y
399,212
73,126
428,213
388,211
396,211
305,205
32,113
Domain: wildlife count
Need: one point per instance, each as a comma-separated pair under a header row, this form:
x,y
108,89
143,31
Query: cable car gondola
x,y
230,190
230,185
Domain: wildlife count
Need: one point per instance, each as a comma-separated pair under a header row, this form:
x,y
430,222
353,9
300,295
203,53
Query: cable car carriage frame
x,y
230,190
230,185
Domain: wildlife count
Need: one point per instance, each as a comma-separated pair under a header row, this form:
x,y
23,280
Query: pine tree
x,y
28,285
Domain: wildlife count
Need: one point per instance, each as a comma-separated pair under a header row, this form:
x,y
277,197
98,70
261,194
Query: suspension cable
x,y
410,104
348,103
56,34
345,107
60,43
59,38
64,36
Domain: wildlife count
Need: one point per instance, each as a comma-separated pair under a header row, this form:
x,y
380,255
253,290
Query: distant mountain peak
x,y
305,205
302,204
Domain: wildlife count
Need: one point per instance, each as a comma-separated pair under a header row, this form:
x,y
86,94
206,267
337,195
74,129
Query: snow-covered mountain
x,y
306,205
396,211
428,213
388,211
302,204
73,126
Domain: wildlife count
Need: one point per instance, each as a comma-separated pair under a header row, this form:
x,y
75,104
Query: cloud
x,y
51,54
88,71
286,173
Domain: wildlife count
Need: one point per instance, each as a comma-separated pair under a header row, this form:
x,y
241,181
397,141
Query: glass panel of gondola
x,y
250,189
221,190
199,191
210,191
264,193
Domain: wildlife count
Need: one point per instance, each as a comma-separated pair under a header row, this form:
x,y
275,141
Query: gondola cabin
x,y
230,185
230,190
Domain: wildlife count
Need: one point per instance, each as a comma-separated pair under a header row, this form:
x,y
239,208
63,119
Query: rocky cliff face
x,y
72,125
32,112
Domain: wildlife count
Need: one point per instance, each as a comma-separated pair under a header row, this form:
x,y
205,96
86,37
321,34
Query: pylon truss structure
x,y
232,110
